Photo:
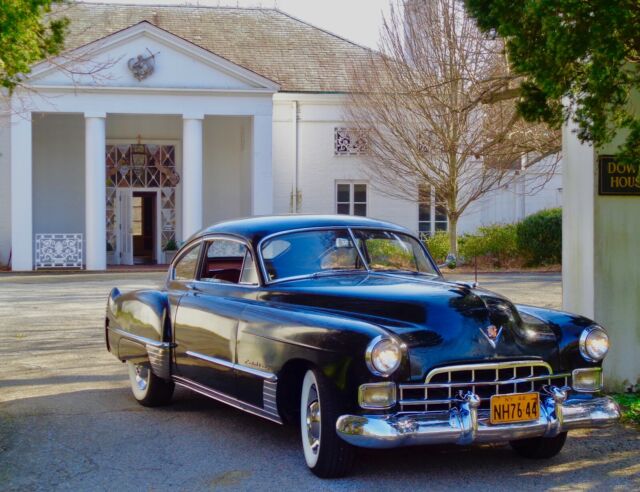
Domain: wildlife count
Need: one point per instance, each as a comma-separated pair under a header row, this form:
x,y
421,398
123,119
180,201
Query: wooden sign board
x,y
617,179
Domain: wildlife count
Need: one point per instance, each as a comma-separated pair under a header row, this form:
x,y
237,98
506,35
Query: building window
x,y
424,210
432,212
351,198
349,141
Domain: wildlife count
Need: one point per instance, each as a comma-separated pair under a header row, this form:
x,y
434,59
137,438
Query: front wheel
x,y
326,454
539,447
147,388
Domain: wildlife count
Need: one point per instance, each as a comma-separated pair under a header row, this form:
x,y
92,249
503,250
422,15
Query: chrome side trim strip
x,y
160,361
139,339
212,360
269,400
257,372
229,400
225,363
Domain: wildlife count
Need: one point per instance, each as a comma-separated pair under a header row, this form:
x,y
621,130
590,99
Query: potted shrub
x,y
170,250
111,256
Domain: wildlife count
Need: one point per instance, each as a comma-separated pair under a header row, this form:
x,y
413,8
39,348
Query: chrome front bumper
x,y
465,424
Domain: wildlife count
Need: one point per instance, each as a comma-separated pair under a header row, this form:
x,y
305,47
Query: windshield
x,y
317,252
393,251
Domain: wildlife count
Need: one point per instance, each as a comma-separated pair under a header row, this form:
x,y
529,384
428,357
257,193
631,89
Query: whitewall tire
x,y
326,454
147,388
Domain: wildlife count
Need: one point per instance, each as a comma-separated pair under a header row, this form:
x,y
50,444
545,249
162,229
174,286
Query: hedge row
x,y
537,240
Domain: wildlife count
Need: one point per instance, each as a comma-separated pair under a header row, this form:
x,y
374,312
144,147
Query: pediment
x,y
145,56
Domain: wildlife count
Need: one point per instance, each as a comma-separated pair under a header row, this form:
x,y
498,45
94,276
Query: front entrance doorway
x,y
141,199
143,227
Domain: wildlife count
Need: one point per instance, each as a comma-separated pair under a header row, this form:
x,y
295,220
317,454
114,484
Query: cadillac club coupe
x,y
346,327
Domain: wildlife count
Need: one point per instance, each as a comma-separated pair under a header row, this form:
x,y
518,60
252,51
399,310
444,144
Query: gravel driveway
x,y
68,422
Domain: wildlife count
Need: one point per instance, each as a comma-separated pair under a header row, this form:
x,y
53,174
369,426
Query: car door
x,y
207,317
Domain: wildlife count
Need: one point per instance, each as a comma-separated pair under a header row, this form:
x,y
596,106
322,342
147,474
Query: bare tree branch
x,y
422,104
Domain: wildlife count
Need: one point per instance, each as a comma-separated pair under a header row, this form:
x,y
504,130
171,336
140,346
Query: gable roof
x,y
296,55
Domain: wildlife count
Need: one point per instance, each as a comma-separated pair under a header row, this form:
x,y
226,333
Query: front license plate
x,y
517,407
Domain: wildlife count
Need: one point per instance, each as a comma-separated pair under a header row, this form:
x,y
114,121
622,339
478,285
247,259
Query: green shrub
x,y
539,237
497,242
630,403
438,245
470,246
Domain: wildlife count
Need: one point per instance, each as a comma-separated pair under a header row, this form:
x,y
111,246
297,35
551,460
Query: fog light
x,y
377,396
587,380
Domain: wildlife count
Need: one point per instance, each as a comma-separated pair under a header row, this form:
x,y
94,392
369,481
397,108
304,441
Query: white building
x,y
196,115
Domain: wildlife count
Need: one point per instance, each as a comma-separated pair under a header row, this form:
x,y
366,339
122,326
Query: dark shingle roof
x,y
296,55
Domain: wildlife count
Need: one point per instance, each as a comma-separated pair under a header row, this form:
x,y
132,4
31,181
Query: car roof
x,y
254,229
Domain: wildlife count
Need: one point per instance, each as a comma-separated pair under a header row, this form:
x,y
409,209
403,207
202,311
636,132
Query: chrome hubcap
x,y
142,377
313,420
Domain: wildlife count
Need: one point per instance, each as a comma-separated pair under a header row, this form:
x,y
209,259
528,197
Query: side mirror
x,y
450,262
343,242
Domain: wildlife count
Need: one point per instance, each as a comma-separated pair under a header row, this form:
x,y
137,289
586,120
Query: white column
x,y
95,191
191,175
21,193
261,166
578,223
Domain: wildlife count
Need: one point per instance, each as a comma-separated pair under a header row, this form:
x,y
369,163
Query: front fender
x,y
567,328
271,335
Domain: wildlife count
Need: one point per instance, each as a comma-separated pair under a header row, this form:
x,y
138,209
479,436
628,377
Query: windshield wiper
x,y
409,272
337,271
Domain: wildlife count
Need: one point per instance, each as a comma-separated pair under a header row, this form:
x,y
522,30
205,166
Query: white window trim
x,y
432,216
352,201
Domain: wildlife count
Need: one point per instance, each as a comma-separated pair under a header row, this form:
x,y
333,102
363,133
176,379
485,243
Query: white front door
x,y
124,251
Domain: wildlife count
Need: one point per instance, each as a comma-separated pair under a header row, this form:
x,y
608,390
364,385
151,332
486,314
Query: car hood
x,y
440,322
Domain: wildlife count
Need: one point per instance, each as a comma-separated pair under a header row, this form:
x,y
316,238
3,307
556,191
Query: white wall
x,y
509,204
319,167
227,178
58,173
5,189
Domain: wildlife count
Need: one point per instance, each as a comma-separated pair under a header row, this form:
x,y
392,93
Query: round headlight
x,y
594,343
383,356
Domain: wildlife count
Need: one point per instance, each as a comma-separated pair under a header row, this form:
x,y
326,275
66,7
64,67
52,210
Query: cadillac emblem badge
x,y
492,333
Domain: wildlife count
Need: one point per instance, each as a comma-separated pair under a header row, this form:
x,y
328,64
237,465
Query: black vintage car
x,y
346,326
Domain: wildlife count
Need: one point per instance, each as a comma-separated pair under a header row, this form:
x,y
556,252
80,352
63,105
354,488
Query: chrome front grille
x,y
444,385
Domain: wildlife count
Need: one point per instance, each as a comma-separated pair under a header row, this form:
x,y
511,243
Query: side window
x,y
249,273
185,269
223,262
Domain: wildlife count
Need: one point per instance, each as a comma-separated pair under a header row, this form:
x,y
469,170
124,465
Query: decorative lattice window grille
x,y
349,141
143,166
59,250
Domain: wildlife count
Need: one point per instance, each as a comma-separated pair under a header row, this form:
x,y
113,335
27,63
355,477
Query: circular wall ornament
x,y
142,66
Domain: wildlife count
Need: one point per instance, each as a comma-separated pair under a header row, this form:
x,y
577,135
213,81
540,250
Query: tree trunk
x,y
453,236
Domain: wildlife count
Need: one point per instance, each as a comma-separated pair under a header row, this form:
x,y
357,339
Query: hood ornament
x,y
492,333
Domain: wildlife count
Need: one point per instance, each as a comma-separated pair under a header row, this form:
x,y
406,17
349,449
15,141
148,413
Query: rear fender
x,y
138,328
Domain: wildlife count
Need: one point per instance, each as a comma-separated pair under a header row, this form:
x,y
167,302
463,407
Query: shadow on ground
x,y
101,439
